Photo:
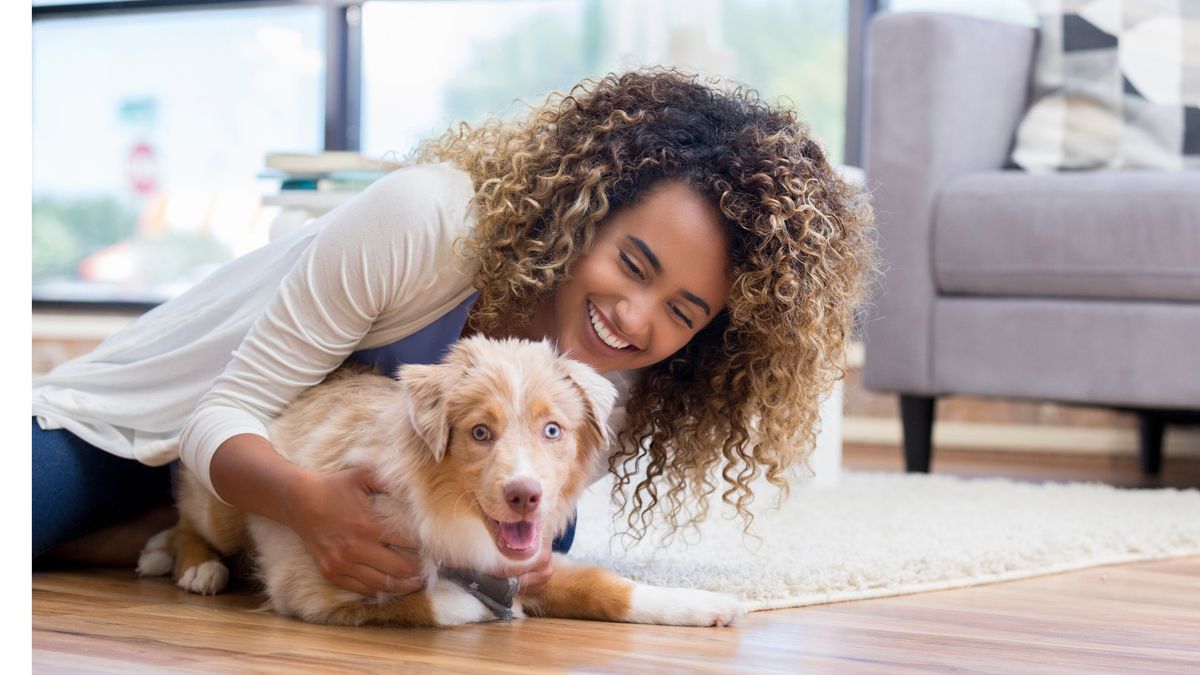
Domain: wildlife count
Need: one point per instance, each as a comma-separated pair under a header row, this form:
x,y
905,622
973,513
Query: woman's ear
x,y
599,396
427,388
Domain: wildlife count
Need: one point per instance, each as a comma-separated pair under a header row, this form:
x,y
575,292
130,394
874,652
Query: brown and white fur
x,y
484,505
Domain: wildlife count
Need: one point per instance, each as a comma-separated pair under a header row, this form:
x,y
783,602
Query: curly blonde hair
x,y
743,394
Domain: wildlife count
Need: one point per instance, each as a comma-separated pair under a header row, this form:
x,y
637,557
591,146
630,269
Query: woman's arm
x,y
371,259
331,512
374,260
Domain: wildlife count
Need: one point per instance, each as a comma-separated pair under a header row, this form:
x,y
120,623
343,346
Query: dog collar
x,y
496,593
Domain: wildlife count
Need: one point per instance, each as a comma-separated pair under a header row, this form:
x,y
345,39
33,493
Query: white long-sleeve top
x,y
228,355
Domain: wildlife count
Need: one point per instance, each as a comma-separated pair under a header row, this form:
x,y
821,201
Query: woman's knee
x,y
79,488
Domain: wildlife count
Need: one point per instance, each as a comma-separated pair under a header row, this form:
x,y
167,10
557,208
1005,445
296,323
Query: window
x,y
428,65
151,121
148,133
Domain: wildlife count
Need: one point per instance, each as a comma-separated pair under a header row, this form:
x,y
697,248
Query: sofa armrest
x,y
944,95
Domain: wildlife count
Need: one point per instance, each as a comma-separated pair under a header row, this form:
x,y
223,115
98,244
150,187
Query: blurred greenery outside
x,y
792,53
65,232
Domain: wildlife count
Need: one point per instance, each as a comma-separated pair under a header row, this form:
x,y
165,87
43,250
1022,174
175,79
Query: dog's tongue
x,y
519,535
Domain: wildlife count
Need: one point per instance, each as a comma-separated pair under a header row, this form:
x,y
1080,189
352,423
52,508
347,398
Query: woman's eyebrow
x,y
699,302
647,252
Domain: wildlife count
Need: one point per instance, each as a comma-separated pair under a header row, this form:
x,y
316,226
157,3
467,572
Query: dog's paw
x,y
156,558
154,563
683,607
452,606
207,578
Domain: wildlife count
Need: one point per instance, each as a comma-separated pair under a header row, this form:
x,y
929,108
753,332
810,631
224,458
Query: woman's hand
x,y
332,513
533,580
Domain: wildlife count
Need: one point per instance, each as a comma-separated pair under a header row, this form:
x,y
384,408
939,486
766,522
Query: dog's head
x,y
515,430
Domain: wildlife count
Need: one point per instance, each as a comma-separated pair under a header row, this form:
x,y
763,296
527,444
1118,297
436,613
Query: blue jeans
x,y
79,488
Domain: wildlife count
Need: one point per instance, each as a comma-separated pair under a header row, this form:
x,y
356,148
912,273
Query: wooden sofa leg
x,y
1150,440
916,418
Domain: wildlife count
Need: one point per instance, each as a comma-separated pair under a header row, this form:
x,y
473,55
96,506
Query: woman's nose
x,y
632,317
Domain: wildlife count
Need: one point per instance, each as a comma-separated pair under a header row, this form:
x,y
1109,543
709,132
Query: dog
x,y
484,456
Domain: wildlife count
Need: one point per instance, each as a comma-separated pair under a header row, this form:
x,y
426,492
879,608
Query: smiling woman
x,y
685,238
692,236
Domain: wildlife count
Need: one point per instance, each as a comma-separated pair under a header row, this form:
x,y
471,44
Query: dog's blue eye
x,y
553,431
480,433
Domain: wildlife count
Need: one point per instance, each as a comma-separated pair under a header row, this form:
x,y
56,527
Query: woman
x,y
692,241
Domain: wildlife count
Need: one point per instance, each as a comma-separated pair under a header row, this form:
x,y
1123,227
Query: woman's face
x,y
657,272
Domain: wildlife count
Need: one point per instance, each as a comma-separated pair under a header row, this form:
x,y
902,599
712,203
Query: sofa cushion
x,y
1109,234
1115,85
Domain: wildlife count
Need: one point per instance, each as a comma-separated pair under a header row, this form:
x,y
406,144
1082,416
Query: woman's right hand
x,y
333,515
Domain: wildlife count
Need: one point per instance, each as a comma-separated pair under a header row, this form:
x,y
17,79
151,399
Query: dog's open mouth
x,y
517,540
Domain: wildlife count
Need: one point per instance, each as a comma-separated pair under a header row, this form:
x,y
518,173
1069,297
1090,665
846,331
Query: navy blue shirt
x,y
425,346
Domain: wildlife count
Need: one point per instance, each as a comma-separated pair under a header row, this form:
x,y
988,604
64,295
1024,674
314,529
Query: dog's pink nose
x,y
523,495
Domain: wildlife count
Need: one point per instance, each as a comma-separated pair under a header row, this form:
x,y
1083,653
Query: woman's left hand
x,y
534,579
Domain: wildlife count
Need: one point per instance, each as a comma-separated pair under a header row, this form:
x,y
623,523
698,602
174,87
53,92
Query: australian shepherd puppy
x,y
484,456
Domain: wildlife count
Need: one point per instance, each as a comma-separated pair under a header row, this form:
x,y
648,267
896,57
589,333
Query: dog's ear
x,y
599,396
427,388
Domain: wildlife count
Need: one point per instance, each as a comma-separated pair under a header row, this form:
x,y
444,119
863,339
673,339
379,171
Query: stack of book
x,y
334,171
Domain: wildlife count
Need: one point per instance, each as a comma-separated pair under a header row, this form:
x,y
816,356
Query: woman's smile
x,y
604,333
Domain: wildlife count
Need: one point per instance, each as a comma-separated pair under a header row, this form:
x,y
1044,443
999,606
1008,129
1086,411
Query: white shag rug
x,y
881,534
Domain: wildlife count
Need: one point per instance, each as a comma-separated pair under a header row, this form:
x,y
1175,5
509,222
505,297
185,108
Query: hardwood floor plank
x,y
1142,617
1108,619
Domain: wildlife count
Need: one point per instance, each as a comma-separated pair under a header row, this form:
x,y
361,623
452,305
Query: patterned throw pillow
x,y
1116,85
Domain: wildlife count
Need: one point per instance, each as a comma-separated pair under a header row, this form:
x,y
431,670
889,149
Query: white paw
x,y
156,558
154,563
206,578
453,606
683,607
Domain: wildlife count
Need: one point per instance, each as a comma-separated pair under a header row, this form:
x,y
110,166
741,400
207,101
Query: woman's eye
x,y
553,431
481,433
632,266
682,316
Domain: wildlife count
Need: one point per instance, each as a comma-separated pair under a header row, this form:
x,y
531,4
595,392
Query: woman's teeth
x,y
605,336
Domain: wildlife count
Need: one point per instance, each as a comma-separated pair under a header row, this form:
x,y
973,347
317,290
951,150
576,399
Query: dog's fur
x,y
444,486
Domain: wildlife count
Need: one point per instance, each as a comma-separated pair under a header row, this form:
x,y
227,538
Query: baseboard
x,y
1058,440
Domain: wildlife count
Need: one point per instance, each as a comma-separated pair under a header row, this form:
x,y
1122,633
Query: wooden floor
x,y
1140,617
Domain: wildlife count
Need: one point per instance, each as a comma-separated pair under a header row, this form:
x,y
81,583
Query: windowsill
x,y
82,325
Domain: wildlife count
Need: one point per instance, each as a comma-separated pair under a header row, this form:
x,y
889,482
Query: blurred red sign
x,y
143,169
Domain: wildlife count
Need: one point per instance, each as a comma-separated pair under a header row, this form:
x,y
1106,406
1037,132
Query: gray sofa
x,y
1076,287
